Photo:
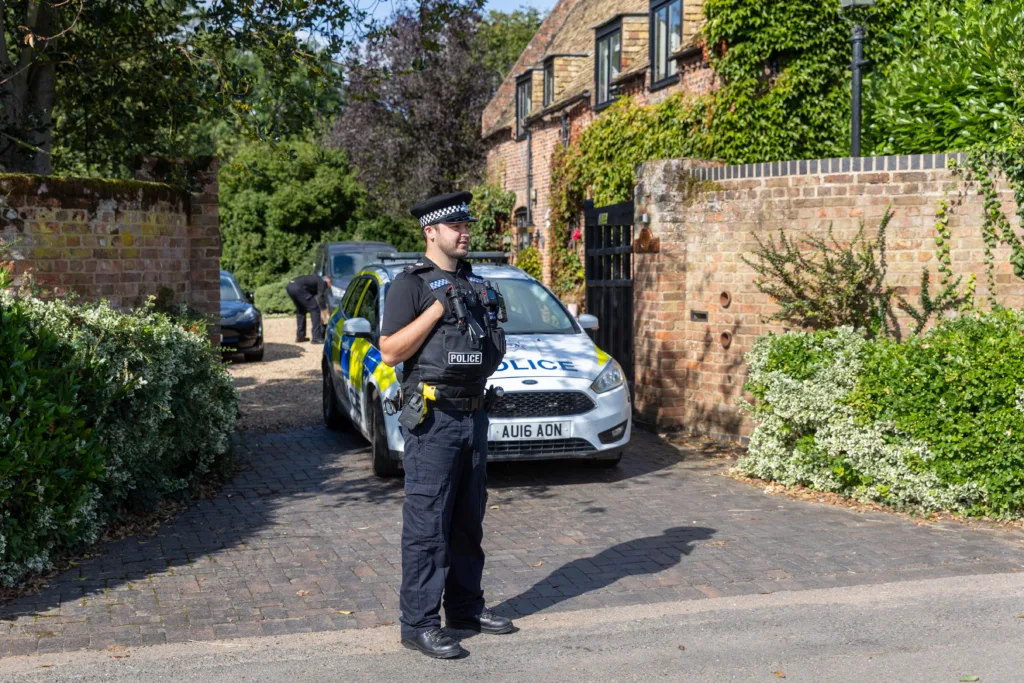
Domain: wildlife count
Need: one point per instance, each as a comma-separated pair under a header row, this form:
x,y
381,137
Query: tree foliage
x,y
88,84
962,85
500,38
277,201
414,96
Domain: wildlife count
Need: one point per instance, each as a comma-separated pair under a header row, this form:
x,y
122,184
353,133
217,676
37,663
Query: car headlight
x,y
247,315
612,377
337,292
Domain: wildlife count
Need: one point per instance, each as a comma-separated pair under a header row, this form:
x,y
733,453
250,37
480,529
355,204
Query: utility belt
x,y
427,396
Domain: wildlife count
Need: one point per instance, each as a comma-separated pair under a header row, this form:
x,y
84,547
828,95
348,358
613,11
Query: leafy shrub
x,y
529,260
933,423
960,389
824,283
51,459
143,399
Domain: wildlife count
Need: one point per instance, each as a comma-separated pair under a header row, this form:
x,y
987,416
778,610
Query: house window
x,y
608,61
666,37
549,83
524,94
520,220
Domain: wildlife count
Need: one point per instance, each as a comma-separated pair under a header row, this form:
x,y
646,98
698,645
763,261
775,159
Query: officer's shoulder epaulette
x,y
417,267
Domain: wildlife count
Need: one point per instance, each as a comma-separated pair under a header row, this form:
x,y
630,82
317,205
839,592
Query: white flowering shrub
x,y
141,403
821,421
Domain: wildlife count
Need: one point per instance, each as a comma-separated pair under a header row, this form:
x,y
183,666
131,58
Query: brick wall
x,y
114,240
707,216
507,157
634,41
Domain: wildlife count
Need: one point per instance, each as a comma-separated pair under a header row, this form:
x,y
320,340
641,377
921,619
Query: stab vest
x,y
453,356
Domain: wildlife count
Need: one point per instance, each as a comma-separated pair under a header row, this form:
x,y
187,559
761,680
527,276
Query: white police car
x,y
564,397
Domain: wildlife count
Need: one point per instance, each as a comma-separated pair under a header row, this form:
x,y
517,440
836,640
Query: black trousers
x,y
305,303
445,464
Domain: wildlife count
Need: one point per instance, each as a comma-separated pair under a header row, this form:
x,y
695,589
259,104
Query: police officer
x,y
309,294
439,323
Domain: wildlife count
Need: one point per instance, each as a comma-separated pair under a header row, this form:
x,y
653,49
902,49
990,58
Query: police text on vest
x,y
456,358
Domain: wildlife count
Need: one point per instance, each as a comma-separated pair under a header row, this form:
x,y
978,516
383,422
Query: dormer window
x,y
524,100
608,61
549,82
666,37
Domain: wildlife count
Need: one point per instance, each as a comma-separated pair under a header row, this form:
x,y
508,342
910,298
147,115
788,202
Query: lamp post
x,y
857,34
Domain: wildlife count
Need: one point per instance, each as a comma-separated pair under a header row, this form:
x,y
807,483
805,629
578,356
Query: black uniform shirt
x,y
315,285
408,297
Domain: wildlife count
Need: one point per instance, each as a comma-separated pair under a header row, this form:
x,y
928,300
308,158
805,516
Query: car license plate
x,y
530,431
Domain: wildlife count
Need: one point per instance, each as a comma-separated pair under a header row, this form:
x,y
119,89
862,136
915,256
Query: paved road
x,y
930,631
307,540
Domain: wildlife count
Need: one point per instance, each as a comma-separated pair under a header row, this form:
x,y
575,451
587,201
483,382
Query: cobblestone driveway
x,y
307,539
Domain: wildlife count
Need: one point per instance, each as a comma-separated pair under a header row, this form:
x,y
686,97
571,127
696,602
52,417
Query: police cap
x,y
445,208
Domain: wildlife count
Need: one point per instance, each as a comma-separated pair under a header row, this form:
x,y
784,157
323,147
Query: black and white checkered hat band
x,y
439,215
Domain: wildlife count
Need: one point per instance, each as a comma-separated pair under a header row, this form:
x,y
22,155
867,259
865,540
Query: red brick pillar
x,y
204,246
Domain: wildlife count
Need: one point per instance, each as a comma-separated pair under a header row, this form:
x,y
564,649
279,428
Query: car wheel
x,y
332,416
254,356
383,465
605,463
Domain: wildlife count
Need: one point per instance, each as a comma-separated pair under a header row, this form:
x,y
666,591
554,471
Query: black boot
x,y
487,622
434,643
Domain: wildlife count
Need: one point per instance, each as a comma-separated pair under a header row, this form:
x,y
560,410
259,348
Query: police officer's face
x,y
452,238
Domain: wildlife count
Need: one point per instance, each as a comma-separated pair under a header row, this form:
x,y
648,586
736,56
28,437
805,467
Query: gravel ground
x,y
283,390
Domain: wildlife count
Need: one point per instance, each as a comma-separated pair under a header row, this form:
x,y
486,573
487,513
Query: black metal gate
x,y
608,239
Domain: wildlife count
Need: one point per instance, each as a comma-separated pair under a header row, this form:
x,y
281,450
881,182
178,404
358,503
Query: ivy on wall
x,y
492,206
783,67
567,194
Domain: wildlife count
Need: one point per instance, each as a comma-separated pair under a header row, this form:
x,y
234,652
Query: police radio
x,y
462,315
494,304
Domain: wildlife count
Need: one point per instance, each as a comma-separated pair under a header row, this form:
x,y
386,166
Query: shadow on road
x,y
638,557
646,455
315,483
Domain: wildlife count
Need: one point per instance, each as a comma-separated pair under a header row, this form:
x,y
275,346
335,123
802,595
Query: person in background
x,y
309,294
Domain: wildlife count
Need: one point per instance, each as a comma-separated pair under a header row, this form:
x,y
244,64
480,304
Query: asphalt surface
x,y
936,630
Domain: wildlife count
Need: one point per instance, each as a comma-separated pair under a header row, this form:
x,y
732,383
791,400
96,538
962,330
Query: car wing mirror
x,y
249,297
588,322
357,327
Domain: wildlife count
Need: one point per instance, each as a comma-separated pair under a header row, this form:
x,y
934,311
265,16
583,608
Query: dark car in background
x,y
340,261
241,323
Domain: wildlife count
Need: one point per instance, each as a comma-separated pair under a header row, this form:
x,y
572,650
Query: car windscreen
x,y
345,264
532,309
229,291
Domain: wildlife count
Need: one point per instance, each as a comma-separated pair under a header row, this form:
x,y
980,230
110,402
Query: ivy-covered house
x,y
585,55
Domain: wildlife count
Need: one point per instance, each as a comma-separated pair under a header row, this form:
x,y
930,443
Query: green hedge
x,y
103,413
933,423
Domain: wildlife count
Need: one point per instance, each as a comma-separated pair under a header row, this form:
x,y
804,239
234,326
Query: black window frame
x,y
319,259
527,81
351,292
603,33
652,44
374,289
549,83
